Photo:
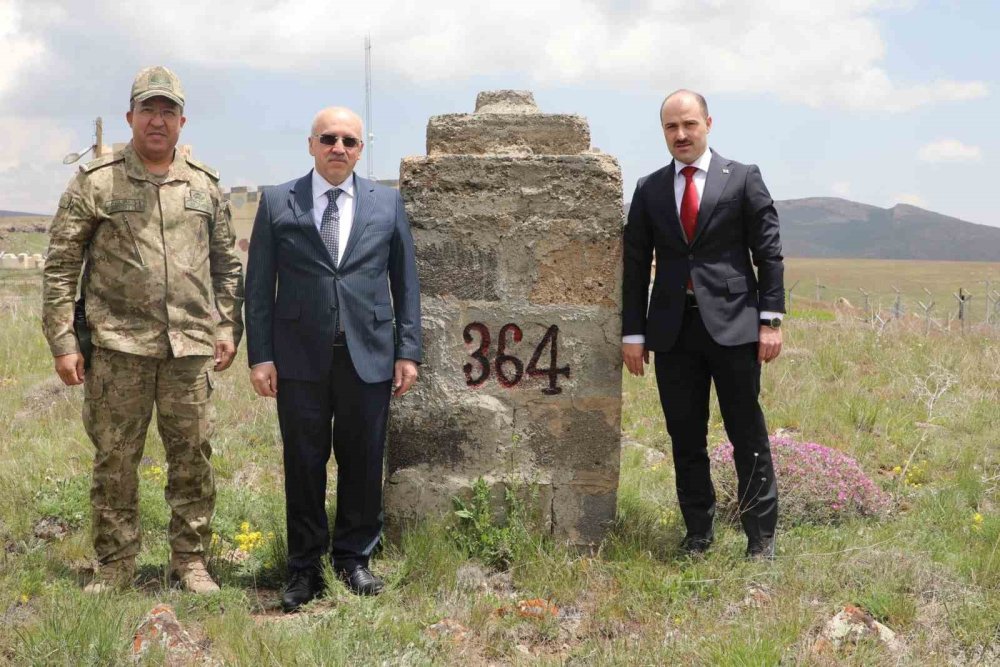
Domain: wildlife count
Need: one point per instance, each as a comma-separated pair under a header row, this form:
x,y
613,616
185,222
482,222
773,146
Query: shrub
x,y
480,535
816,484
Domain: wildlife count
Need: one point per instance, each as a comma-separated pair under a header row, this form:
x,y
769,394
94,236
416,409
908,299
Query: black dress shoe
x,y
361,581
760,548
303,586
697,543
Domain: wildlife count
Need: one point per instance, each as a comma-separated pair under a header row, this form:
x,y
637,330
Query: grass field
x,y
930,571
844,277
24,234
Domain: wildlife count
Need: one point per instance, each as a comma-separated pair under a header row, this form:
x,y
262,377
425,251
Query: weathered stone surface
x,y
506,101
499,133
499,196
852,625
456,269
520,264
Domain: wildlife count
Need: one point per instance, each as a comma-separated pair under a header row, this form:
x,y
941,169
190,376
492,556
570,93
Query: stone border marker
x,y
517,225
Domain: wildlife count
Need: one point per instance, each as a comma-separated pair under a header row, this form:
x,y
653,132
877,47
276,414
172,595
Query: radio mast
x,y
368,107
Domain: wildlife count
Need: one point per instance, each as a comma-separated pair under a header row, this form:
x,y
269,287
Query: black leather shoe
x,y
361,581
760,548
303,586
697,543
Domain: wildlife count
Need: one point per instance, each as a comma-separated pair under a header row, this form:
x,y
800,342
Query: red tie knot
x,y
689,172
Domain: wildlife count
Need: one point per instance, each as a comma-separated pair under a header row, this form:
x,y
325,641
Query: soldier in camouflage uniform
x,y
164,292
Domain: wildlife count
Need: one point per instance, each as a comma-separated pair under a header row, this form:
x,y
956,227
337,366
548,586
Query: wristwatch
x,y
774,323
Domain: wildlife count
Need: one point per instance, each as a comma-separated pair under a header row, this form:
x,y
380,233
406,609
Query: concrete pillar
x,y
517,225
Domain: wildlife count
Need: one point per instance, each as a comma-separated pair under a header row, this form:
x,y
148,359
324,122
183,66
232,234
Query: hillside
x,y
18,214
830,227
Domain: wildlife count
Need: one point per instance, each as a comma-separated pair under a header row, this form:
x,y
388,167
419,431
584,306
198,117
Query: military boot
x,y
190,572
113,575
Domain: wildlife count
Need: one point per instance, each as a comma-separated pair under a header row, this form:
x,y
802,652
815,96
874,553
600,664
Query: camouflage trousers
x,y
120,392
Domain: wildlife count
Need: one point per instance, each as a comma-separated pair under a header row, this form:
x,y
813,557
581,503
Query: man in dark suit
x,y
331,263
709,318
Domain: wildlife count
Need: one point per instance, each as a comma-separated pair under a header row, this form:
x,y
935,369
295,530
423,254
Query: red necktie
x,y
689,204
689,209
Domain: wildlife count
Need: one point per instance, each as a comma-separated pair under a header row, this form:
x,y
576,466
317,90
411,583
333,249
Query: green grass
x,y
931,571
845,277
29,242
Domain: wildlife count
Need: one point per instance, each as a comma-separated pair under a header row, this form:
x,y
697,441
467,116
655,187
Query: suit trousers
x,y
683,376
359,412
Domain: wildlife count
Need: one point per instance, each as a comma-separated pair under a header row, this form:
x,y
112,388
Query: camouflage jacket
x,y
162,275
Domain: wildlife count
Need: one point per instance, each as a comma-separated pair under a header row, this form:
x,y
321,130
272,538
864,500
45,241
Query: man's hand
x,y
403,376
70,368
264,378
635,356
225,352
769,346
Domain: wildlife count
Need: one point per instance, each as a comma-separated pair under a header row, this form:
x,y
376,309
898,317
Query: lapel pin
x,y
725,171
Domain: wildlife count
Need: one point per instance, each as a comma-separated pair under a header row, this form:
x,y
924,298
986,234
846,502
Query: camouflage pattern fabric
x,y
163,278
120,392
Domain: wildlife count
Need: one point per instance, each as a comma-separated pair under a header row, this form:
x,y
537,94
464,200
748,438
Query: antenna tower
x,y
368,107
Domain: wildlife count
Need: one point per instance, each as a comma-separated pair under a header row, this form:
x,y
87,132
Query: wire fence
x,y
962,310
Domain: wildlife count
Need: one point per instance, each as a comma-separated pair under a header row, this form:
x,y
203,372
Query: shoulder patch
x,y
203,167
198,200
65,200
102,162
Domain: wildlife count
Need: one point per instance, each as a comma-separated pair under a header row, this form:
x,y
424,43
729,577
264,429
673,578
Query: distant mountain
x,y
832,227
18,214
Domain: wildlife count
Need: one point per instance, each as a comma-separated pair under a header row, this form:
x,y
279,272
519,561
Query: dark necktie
x,y
329,228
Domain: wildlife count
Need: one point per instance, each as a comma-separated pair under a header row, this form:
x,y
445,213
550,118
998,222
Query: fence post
x,y
790,289
897,305
867,296
963,298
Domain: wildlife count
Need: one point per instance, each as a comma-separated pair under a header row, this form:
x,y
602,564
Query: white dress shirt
x,y
345,204
680,183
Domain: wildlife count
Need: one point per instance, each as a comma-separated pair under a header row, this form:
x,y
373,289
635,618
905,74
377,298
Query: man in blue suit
x,y
331,265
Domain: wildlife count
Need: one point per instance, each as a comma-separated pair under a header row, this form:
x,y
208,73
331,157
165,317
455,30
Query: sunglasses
x,y
331,140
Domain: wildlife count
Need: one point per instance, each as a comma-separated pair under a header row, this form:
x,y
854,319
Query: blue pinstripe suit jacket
x,y
293,289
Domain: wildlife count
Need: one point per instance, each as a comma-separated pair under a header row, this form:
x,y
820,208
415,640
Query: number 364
x,y
509,368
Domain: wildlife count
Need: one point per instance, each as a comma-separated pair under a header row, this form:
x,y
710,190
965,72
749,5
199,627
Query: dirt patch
x,y
43,397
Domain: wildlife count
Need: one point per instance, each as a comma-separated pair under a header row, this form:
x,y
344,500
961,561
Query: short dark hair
x,y
698,96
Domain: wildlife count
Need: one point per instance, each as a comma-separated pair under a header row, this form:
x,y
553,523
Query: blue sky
x,y
879,101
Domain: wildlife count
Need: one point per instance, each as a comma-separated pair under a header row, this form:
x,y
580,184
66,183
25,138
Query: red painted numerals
x,y
509,368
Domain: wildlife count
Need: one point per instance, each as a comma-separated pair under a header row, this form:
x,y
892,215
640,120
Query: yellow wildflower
x,y
154,473
977,522
248,540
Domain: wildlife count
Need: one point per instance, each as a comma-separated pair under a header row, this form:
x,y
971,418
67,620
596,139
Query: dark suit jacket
x,y
737,223
293,289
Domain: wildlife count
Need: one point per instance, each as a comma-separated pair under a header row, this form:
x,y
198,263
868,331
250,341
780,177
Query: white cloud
x,y
911,199
841,189
18,50
949,150
31,168
826,53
